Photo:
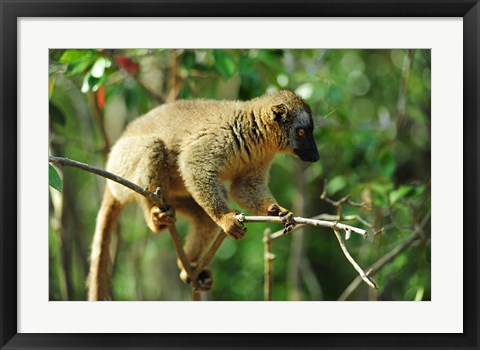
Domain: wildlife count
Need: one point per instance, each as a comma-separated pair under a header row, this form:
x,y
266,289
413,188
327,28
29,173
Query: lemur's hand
x,y
232,226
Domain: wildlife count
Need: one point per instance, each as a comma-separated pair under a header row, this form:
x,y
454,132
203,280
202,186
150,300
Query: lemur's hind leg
x,y
144,161
203,231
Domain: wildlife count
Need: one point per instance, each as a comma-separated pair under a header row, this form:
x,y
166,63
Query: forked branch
x,y
334,225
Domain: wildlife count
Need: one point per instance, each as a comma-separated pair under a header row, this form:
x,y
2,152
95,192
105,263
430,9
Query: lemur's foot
x,y
204,281
162,217
286,215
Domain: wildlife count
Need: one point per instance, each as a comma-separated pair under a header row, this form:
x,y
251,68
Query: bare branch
x,y
341,201
134,187
268,258
357,267
205,260
180,251
300,220
334,225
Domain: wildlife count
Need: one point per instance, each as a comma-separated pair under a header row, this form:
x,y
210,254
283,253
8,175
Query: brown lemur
x,y
189,149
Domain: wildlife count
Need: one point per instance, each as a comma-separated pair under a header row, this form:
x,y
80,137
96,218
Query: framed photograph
x,y
310,124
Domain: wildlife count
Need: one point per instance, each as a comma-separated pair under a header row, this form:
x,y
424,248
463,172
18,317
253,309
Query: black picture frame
x,y
12,10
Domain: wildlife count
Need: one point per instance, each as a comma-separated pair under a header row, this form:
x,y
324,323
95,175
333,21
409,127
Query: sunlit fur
x,y
190,149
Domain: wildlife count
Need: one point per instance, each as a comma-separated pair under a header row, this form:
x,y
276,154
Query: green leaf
x,y
77,67
188,59
419,190
54,179
80,60
70,56
224,64
388,165
380,194
380,188
380,201
336,184
401,192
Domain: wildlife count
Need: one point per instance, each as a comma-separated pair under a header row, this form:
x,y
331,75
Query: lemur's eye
x,y
301,132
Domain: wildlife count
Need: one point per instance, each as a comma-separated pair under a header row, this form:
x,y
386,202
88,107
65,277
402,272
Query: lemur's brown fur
x,y
189,148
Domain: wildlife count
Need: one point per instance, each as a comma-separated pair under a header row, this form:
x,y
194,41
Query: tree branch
x,y
134,187
357,267
207,257
268,258
300,220
203,262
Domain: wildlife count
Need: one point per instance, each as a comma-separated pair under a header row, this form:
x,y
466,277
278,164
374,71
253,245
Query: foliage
x,y
372,116
54,179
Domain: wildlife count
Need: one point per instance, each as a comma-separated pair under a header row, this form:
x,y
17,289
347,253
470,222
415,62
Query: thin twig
x,y
203,262
207,257
357,267
340,217
338,203
180,251
268,258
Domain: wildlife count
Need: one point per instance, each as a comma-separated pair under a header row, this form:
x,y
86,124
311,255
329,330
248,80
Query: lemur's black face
x,y
301,138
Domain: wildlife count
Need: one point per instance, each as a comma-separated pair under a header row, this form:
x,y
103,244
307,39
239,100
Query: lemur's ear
x,y
279,112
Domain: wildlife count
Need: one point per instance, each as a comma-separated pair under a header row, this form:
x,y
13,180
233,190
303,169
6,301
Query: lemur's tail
x,y
98,281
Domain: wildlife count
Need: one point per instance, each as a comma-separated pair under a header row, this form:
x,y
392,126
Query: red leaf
x,y
100,95
127,63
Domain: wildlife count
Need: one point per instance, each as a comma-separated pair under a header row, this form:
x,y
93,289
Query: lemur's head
x,y
294,117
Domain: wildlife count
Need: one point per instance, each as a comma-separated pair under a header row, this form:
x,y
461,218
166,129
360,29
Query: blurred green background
x,y
372,116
